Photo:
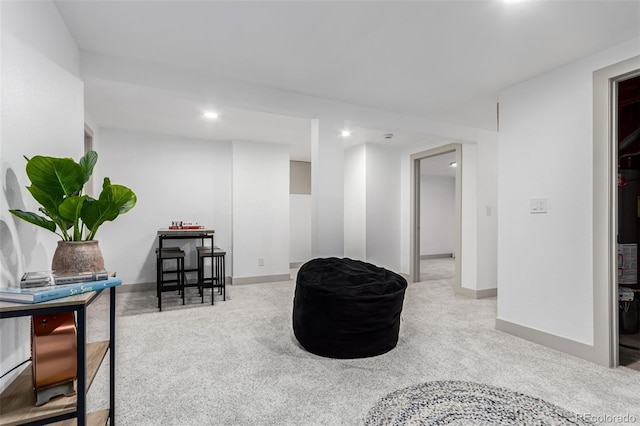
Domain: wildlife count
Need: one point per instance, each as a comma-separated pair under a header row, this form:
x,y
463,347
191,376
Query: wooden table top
x,y
167,231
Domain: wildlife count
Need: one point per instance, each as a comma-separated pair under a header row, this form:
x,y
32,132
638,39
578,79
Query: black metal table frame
x,y
184,234
81,387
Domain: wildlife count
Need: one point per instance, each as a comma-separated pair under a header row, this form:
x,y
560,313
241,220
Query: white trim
x,y
147,286
436,256
134,287
261,279
549,340
476,294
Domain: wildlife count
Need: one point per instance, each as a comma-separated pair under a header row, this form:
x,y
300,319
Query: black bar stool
x,y
217,279
169,253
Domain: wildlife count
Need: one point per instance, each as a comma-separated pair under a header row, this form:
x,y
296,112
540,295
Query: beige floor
x,y
444,269
238,362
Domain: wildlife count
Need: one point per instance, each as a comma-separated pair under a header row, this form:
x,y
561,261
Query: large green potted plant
x,y
57,184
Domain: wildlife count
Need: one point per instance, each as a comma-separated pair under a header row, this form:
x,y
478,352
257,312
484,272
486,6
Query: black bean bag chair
x,y
345,308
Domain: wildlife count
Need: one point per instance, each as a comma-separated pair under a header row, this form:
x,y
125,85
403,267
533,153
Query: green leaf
x,y
70,210
35,219
62,223
87,163
57,176
49,201
96,212
124,198
71,207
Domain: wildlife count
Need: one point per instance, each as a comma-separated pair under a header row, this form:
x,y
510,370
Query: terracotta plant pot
x,y
77,257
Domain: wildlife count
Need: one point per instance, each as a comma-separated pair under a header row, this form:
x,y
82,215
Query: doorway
x,y
88,146
627,137
438,157
605,209
437,217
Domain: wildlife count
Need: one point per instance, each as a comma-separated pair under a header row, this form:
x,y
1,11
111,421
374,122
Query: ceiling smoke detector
x,y
388,135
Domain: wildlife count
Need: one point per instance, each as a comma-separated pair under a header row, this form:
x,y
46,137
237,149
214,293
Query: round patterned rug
x,y
466,403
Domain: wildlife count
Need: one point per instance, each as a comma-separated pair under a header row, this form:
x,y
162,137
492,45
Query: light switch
x,y
538,205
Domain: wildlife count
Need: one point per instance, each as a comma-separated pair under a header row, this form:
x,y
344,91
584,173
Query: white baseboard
x,y
130,288
561,344
149,286
476,294
436,256
260,279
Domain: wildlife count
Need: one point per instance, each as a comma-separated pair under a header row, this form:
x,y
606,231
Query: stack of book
x,y
35,287
43,278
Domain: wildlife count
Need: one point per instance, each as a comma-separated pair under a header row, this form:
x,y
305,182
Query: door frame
x,y
414,239
605,207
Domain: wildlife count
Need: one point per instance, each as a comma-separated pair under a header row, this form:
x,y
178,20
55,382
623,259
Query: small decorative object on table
x,y
184,224
44,278
54,351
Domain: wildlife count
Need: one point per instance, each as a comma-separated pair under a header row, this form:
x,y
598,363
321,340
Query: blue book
x,y
50,292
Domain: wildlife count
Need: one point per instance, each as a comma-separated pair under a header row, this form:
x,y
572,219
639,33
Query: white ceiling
x,y
443,60
145,109
438,165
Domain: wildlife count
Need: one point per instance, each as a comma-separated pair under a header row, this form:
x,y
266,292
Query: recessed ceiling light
x,y
211,115
346,133
453,164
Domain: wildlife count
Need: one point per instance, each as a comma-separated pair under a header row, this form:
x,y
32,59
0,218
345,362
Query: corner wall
x,y
355,199
383,206
300,212
41,99
260,182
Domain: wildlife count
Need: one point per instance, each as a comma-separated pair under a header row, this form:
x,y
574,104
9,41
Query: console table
x,y
17,402
165,234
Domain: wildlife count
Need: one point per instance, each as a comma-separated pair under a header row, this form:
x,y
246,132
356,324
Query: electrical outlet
x,y
538,205
261,261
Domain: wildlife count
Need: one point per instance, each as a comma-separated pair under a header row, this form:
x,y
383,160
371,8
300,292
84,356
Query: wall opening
x,y
455,151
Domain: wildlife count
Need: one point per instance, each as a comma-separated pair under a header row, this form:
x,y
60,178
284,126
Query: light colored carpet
x,y
237,362
437,269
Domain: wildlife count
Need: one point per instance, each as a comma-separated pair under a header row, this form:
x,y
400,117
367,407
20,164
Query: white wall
x,y
300,227
260,209
372,205
300,212
469,227
383,206
355,199
437,214
42,113
545,274
327,187
487,210
174,179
